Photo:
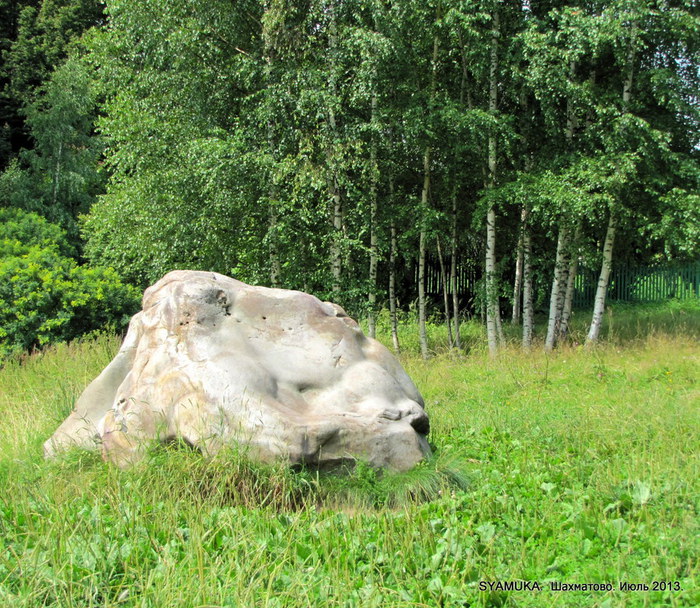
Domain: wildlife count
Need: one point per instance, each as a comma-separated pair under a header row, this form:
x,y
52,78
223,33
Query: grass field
x,y
579,467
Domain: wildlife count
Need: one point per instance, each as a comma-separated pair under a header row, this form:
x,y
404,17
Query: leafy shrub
x,y
46,296
20,230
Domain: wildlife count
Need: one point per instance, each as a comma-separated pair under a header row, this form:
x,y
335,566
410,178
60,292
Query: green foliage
x,y
282,142
46,297
35,38
190,210
183,172
679,226
234,131
46,31
63,164
60,177
21,230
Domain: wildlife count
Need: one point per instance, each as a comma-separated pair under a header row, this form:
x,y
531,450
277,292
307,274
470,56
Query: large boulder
x,y
216,362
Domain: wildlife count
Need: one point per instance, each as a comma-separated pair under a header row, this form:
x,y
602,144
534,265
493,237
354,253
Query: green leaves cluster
x,y
45,296
292,104
281,142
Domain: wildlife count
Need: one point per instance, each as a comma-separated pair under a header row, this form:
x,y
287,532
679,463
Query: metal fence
x,y
641,283
626,283
468,275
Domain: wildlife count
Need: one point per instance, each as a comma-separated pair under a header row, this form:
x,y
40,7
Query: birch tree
x,y
528,305
606,266
492,309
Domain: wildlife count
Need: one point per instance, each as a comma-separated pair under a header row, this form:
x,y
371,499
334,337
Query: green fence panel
x,y
626,283
640,283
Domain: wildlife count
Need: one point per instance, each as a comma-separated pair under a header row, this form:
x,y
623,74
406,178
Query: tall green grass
x,y
580,466
623,324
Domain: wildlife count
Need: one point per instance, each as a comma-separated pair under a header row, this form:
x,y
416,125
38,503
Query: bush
x,y
20,230
45,296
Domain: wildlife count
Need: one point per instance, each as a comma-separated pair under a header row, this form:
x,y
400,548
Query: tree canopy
x,y
339,145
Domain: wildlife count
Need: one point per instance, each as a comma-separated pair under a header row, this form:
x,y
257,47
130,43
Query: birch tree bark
x,y
599,303
528,308
445,294
570,285
373,240
490,263
453,274
422,245
392,287
518,282
601,291
556,299
499,330
336,236
569,297
527,165
424,202
561,268
332,178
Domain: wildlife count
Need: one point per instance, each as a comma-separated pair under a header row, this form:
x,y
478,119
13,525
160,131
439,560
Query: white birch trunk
x,y
422,245
490,262
561,269
528,292
490,267
629,77
556,299
392,286
336,252
568,298
499,329
518,282
336,237
453,274
373,241
601,291
424,201
570,284
445,294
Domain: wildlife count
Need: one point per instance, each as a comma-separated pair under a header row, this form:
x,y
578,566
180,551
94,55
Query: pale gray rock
x,y
216,362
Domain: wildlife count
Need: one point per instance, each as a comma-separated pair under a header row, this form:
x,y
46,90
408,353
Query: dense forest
x,y
342,147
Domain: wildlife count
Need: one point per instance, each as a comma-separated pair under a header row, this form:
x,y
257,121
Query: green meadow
x,y
578,467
